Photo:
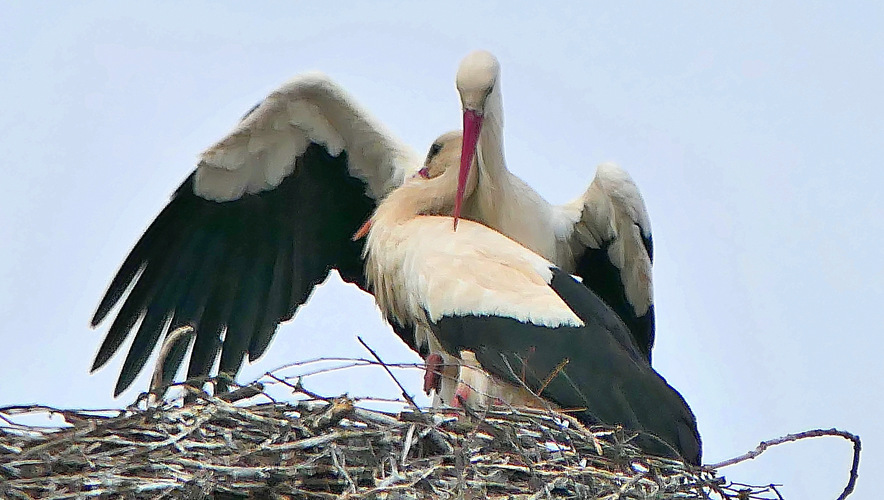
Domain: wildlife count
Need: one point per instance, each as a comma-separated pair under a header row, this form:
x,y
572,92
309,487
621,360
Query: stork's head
x,y
430,191
440,167
476,80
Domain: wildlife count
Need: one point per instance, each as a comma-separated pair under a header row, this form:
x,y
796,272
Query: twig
x,y
406,446
404,392
244,392
299,387
764,445
552,375
628,485
170,342
341,467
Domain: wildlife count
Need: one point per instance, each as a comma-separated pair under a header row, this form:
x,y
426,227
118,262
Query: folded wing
x,y
613,251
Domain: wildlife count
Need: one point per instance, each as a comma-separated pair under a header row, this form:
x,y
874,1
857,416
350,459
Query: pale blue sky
x,y
754,132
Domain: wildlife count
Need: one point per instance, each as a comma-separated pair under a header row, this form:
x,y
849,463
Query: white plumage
x,y
604,236
269,210
311,108
494,275
520,328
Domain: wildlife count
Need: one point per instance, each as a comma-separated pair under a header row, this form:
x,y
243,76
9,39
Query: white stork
x,y
507,311
603,236
270,209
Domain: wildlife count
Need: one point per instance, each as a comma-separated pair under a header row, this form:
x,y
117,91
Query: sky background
x,y
753,131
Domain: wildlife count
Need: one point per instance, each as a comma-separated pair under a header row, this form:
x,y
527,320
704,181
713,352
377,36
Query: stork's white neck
x,y
490,148
503,201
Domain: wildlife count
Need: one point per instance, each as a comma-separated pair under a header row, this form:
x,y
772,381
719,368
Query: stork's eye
x,y
424,172
434,150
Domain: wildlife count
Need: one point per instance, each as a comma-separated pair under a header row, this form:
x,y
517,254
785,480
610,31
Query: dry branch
x,y
764,445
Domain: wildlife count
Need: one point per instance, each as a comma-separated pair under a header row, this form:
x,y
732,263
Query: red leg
x,y
461,395
433,373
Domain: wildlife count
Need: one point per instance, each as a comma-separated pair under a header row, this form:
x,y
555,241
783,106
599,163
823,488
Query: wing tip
x,y
112,296
97,364
99,316
105,353
121,386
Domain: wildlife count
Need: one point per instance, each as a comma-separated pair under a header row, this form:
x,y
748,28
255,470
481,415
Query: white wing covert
x,y
611,244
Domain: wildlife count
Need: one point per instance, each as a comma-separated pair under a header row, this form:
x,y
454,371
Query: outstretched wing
x,y
610,240
268,212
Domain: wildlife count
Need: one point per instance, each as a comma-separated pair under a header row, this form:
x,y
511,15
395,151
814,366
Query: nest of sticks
x,y
247,444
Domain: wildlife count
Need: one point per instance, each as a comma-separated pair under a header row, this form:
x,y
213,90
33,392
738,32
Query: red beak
x,y
472,127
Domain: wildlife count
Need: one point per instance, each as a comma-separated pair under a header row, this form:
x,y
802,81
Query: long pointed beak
x,y
472,127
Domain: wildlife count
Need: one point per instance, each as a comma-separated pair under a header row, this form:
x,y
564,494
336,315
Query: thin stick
x,y
857,446
552,375
299,387
156,384
404,392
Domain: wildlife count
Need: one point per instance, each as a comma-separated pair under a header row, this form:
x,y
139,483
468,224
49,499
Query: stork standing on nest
x,y
270,209
604,236
499,307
